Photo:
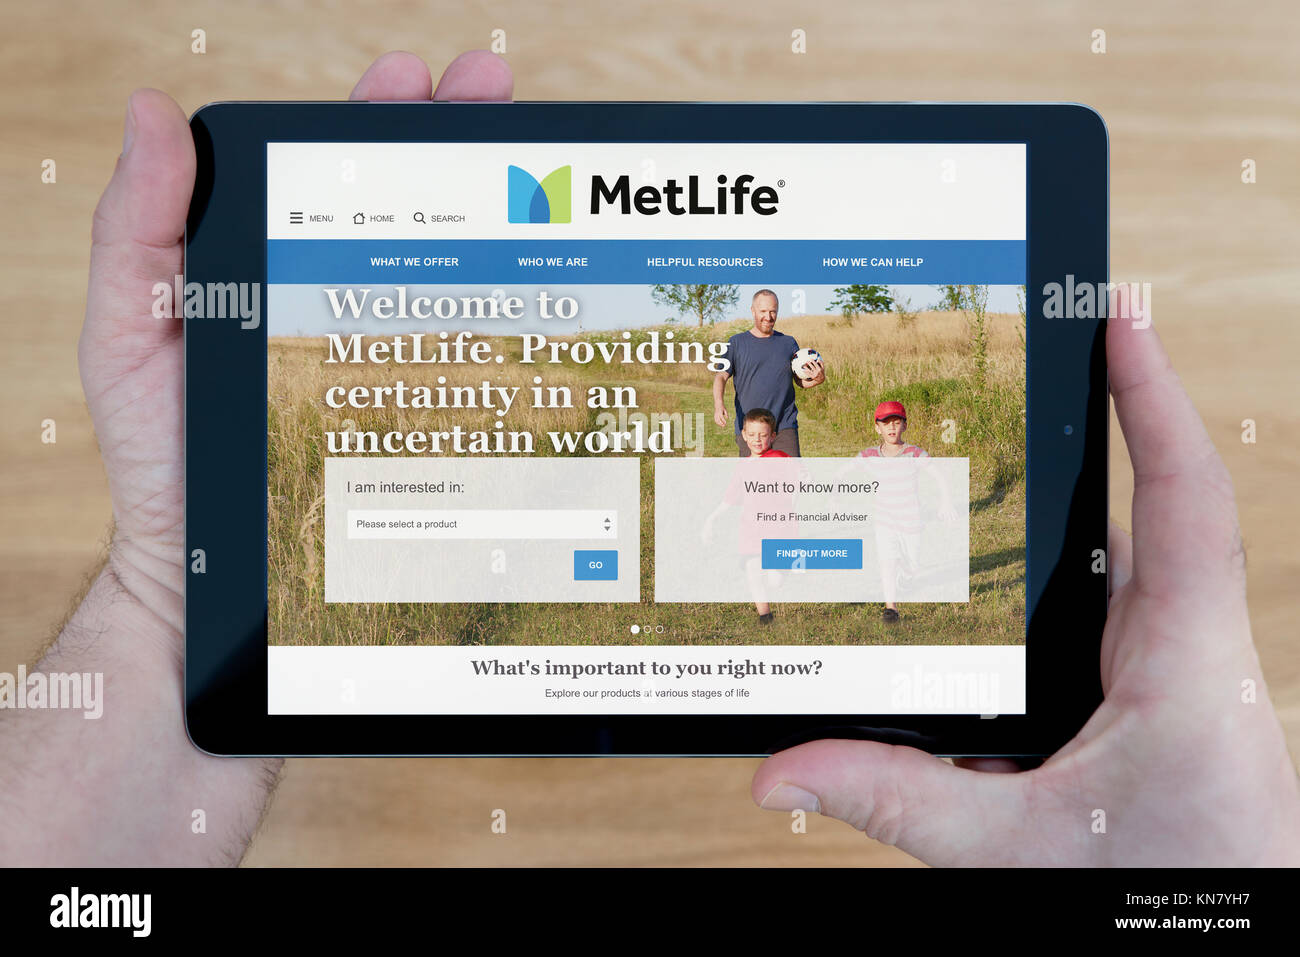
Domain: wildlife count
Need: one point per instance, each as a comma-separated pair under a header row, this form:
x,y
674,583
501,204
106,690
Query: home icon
x,y
359,218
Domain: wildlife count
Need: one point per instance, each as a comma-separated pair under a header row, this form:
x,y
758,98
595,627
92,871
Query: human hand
x,y
1187,772
117,790
818,370
720,415
131,362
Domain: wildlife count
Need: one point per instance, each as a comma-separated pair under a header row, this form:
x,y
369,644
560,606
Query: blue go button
x,y
812,553
595,565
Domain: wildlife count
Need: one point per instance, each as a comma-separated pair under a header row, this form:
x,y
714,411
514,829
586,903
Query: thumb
x,y
941,814
136,240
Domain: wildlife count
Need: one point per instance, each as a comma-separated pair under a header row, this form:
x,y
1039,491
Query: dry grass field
x,y
1188,89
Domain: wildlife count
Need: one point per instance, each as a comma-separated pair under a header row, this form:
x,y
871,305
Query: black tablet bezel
x,y
226,435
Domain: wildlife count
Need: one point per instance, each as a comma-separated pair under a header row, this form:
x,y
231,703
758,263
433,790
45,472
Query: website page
x,y
560,428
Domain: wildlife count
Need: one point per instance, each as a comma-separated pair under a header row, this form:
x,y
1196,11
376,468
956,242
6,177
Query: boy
x,y
898,505
757,431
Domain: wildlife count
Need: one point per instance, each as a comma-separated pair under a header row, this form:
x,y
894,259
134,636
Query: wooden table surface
x,y
1189,90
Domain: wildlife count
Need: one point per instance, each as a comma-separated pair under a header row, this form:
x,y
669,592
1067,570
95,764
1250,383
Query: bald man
x,y
760,363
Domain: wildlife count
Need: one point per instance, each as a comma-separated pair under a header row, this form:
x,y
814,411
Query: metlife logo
x,y
547,201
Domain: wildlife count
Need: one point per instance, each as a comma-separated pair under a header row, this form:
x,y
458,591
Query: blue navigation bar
x,y
812,553
347,262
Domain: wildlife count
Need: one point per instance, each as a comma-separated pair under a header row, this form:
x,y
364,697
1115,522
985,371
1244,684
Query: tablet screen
x,y
619,428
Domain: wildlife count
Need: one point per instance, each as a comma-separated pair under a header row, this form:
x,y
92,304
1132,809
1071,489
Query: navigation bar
x,y
496,262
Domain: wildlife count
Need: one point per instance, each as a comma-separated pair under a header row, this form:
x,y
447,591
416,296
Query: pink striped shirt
x,y
913,451
899,500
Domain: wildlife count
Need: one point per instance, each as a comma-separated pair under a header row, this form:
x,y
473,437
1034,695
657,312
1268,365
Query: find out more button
x,y
595,565
812,553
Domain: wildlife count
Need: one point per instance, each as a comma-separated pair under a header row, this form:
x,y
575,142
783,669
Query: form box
x,y
812,529
437,529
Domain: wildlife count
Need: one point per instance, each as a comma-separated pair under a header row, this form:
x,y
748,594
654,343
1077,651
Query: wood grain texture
x,y
1187,89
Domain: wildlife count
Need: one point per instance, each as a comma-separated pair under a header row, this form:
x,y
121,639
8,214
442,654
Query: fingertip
x,y
476,75
814,767
152,99
396,75
156,112
1161,426
790,797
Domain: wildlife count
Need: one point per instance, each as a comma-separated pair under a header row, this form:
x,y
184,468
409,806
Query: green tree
x,y
903,309
951,298
706,303
853,301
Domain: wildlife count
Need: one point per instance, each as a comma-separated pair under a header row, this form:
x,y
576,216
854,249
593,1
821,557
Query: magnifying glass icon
x,y
419,217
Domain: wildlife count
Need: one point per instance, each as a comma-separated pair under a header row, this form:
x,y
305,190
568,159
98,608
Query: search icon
x,y
419,217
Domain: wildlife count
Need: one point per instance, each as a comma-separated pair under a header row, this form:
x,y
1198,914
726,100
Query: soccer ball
x,y
801,359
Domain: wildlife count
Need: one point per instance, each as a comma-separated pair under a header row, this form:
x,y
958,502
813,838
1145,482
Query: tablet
x,y
644,428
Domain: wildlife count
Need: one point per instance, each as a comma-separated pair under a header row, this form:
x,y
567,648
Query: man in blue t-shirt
x,y
760,363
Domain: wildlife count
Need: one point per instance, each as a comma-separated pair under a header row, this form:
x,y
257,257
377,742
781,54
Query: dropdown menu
x,y
502,523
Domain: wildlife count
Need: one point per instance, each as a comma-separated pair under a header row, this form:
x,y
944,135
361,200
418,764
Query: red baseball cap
x,y
886,409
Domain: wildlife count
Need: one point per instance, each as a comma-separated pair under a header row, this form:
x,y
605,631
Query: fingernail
x,y
129,133
788,797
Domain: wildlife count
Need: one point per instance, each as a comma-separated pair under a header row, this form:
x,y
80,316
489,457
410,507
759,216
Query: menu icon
x,y
295,217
